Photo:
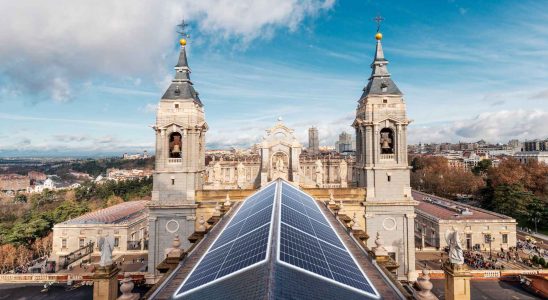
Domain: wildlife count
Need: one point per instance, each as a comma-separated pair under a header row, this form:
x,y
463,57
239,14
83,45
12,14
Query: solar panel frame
x,y
178,294
375,293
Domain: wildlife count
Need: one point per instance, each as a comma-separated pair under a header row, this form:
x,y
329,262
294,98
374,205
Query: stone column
x,y
410,246
105,283
457,281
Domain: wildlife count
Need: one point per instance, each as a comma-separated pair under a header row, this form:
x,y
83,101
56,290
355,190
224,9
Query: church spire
x,y
181,87
380,82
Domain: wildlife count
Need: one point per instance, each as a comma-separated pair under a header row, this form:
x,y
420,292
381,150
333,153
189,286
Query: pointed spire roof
x,y
181,88
380,82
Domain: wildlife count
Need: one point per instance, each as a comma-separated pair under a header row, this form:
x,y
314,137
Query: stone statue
x,y
455,247
106,244
343,171
319,173
217,172
240,173
331,199
280,164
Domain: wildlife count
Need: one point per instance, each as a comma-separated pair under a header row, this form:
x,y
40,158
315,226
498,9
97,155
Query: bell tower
x,y
180,163
381,164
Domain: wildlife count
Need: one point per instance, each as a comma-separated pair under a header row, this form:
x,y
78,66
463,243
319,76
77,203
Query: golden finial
x,y
378,36
182,31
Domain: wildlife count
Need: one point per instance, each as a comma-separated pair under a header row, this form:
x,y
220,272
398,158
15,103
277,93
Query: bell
x,y
176,148
385,144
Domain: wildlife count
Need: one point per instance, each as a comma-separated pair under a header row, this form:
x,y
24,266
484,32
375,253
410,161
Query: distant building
x,y
515,145
313,140
127,222
478,228
528,156
35,176
13,183
144,155
122,174
535,145
80,175
345,143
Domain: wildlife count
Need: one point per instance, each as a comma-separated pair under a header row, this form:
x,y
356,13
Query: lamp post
x,y
535,220
491,239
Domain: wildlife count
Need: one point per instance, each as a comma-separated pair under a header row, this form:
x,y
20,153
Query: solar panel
x,y
319,251
306,242
243,243
296,219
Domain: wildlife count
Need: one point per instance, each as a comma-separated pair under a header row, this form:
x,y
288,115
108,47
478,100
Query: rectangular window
x,y
81,243
505,239
172,181
116,242
63,243
487,238
389,178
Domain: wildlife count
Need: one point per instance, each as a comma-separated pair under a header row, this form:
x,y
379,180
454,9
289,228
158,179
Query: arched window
x,y
387,141
175,145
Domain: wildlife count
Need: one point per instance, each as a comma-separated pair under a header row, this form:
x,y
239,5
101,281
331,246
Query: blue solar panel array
x,y
242,243
308,241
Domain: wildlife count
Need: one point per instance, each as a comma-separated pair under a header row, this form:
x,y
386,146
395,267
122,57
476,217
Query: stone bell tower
x,y
381,164
180,163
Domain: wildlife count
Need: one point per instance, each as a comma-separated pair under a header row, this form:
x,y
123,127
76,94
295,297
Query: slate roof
x,y
380,77
181,87
122,213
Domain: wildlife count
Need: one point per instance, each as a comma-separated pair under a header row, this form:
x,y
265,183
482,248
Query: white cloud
x,y
44,43
60,90
497,126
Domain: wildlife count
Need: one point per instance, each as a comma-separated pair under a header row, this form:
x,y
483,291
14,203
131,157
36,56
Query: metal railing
x,y
174,160
66,260
387,156
134,245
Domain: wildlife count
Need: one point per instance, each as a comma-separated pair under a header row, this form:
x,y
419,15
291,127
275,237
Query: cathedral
x,y
373,186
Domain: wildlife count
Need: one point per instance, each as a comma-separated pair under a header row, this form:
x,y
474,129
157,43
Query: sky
x,y
84,77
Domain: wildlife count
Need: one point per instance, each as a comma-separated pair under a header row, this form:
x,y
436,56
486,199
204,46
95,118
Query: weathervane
x,y
378,19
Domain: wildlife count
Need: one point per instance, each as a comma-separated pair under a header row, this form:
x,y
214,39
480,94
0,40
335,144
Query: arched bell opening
x,y
387,141
175,145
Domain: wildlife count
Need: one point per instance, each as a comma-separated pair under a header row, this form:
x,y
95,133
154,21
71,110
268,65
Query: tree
x,y
113,200
512,200
8,257
20,198
482,167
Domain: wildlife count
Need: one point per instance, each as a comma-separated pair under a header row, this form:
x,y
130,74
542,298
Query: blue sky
x,y
84,77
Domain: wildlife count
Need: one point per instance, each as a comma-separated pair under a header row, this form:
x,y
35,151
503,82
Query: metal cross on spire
x,y
182,29
378,19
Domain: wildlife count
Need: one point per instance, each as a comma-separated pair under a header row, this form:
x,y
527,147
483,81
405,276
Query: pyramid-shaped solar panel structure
x,y
278,245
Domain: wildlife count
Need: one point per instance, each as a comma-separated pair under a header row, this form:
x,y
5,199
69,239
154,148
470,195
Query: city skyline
x,y
469,70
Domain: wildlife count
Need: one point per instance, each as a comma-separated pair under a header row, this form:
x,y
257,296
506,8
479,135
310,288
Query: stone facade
x,y
479,229
127,222
382,167
180,164
279,155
